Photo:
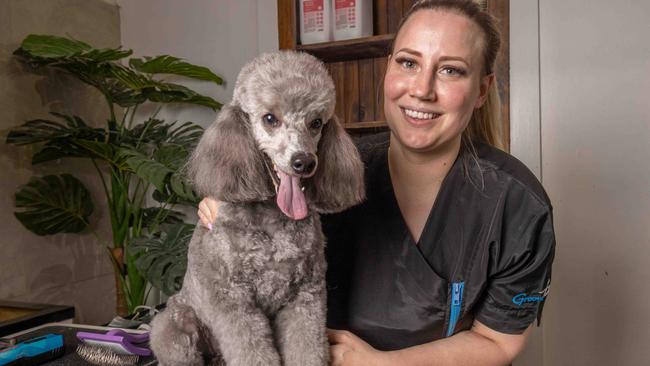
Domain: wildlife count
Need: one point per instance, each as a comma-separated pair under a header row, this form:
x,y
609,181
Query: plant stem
x,y
101,177
135,108
126,112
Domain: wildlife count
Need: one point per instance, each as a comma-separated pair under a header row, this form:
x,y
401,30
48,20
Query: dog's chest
x,y
273,259
278,263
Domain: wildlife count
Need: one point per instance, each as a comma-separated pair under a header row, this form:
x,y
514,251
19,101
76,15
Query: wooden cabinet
x,y
357,66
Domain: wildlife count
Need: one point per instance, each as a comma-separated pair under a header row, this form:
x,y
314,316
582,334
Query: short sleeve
x,y
520,270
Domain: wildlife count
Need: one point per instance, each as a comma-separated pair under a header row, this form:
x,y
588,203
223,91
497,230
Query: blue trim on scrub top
x,y
456,303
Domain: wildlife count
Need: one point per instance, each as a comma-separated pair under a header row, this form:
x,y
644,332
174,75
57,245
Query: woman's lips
x,y
419,118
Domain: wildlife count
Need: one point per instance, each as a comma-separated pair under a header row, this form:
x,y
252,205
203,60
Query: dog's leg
x,y
176,336
300,328
243,333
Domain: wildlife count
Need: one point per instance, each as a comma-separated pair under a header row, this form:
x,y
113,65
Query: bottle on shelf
x,y
352,19
315,21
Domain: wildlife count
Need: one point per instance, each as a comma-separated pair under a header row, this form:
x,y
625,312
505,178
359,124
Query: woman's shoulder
x,y
372,147
507,168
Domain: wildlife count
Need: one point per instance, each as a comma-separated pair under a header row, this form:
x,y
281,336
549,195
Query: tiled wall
x,y
61,269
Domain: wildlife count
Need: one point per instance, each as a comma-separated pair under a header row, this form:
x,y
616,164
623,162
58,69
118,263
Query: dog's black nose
x,y
303,163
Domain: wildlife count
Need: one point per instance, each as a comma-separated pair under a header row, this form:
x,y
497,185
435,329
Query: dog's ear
x,y
338,182
227,164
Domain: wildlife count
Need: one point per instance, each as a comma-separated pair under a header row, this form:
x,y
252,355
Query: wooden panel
x,y
379,69
380,17
350,49
366,90
500,9
394,9
337,70
406,5
351,92
372,125
287,24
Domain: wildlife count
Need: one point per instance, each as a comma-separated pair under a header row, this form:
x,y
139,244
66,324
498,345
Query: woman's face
x,y
434,79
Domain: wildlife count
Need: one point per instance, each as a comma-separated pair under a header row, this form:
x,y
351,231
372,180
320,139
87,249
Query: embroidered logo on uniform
x,y
523,297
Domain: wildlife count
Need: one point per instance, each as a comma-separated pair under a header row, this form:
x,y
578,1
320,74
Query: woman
x,y
448,261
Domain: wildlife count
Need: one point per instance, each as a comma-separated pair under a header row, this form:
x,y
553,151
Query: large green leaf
x,y
188,134
154,216
54,204
158,91
120,84
166,64
62,139
53,47
172,156
158,132
42,130
175,93
162,257
146,168
182,188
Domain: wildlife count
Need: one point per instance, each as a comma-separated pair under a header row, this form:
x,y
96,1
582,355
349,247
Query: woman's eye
x,y
316,124
406,63
453,71
270,120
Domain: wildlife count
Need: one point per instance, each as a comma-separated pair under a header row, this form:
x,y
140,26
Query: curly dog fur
x,y
254,291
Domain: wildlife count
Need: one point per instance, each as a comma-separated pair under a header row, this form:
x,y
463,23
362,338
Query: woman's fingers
x,y
337,354
208,210
339,336
204,220
213,207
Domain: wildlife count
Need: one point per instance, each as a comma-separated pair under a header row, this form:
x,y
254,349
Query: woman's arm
x,y
478,346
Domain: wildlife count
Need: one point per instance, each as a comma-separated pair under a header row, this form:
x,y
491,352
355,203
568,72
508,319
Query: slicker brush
x,y
103,356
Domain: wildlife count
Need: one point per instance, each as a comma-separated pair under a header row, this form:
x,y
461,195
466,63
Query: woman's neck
x,y
416,168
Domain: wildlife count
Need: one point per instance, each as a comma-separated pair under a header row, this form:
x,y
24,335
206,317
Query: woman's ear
x,y
227,164
338,182
484,89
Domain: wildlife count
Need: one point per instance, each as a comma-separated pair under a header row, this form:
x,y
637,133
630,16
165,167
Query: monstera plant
x,y
132,160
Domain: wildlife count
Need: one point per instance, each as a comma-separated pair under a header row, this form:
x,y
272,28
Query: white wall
x,y
219,34
595,133
583,125
525,141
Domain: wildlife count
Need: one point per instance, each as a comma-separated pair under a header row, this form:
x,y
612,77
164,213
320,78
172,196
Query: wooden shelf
x,y
365,125
351,49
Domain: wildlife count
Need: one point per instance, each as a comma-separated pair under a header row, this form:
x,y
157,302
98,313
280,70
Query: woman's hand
x,y
208,208
346,349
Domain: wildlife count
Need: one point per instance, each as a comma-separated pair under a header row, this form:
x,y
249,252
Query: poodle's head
x,y
279,137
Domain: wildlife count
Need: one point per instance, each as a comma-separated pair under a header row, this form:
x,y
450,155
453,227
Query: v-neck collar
x,y
443,194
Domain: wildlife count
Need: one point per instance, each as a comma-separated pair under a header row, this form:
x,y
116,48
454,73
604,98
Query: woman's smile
x,y
419,118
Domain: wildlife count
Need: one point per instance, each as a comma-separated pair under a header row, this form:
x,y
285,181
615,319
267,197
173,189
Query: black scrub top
x,y
485,253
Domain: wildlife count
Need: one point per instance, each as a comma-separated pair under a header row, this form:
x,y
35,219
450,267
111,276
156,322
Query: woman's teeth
x,y
420,115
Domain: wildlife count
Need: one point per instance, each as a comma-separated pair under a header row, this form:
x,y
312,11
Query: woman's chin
x,y
415,141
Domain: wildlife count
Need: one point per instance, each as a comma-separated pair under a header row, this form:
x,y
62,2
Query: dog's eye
x,y
270,120
316,124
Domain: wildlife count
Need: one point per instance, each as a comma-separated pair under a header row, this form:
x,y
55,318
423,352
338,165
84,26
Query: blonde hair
x,y
485,124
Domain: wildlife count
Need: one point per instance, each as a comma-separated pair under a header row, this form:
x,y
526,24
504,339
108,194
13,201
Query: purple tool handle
x,y
125,339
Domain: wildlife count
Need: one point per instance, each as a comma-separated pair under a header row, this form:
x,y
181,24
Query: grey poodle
x,y
254,291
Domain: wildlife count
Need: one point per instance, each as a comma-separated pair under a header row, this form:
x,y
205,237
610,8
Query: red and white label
x,y
344,11
312,15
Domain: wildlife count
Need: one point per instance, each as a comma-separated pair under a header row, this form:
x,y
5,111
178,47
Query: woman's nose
x,y
423,87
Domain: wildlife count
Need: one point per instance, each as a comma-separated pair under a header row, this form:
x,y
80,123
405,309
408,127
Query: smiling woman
x,y
434,80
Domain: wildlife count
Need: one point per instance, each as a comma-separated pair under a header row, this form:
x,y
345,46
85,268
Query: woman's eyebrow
x,y
409,50
454,58
442,58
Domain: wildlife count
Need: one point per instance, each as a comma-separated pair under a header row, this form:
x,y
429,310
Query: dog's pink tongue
x,y
291,199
